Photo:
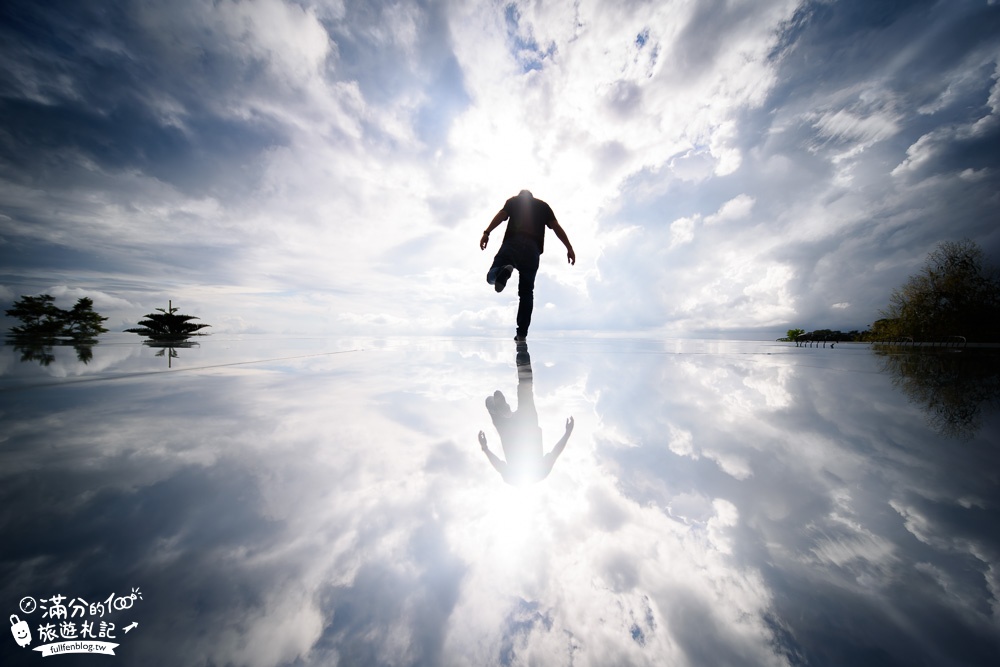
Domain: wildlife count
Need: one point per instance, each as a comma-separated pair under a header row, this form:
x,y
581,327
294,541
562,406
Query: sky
x,y
721,167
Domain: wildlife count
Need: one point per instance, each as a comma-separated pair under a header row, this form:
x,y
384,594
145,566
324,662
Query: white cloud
x,y
736,208
866,130
682,231
920,153
680,442
69,296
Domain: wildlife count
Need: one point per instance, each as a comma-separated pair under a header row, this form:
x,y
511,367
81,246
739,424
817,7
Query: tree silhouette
x,y
39,316
168,325
83,322
792,334
954,294
41,319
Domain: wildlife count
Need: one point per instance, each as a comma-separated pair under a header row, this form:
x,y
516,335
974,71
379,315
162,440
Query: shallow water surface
x,y
272,501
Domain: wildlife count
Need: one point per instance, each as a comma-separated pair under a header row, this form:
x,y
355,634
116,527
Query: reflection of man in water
x,y
520,435
523,243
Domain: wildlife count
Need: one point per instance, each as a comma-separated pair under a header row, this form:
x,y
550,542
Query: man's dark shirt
x,y
529,217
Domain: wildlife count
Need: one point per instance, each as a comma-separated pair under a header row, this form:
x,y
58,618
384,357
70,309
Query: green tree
x,y
794,333
41,318
954,294
83,322
168,325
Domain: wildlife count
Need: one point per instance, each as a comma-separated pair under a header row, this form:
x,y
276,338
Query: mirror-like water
x,y
305,502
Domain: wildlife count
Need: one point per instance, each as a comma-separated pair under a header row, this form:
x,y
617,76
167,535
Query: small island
x,y
167,326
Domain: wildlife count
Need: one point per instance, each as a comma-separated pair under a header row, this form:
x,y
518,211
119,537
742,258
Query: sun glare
x,y
516,526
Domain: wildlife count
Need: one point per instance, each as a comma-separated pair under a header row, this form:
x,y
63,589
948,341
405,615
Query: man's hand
x,y
561,235
482,441
494,223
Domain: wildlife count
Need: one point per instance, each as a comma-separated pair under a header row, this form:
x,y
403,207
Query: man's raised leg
x,y
501,270
499,276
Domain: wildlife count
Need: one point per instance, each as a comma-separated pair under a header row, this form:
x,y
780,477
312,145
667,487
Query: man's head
x,y
524,193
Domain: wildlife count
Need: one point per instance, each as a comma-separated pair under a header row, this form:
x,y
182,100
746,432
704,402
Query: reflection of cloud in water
x,y
842,481
338,509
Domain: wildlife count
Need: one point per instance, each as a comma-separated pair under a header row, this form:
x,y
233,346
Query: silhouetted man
x,y
520,436
523,244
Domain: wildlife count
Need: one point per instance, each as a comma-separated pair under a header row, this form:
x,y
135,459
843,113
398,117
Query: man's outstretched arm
x,y
549,459
494,223
561,445
561,234
498,465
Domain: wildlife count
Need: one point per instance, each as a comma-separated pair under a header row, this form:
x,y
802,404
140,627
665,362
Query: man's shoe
x,y
503,275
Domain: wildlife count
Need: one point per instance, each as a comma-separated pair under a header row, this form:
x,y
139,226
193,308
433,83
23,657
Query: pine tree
x,y
168,325
39,317
83,322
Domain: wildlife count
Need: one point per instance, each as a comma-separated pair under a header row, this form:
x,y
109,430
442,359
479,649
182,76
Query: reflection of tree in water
x,y
169,350
41,351
954,387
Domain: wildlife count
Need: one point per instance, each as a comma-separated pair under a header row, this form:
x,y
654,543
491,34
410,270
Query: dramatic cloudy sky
x,y
315,166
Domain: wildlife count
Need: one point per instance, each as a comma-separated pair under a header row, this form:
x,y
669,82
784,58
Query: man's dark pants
x,y
522,253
